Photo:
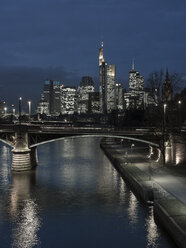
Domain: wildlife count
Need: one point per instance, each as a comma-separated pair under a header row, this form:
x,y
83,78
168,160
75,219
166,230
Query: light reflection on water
x,y
75,198
24,211
152,230
26,226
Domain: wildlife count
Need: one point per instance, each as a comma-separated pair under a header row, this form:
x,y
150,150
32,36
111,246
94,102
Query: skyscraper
x,y
102,80
51,95
136,89
86,87
107,84
119,97
111,88
68,100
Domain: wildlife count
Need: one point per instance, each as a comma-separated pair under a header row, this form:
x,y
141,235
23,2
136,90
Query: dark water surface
x,y
75,198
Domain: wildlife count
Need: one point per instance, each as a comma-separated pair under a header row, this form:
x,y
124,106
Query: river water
x,y
75,198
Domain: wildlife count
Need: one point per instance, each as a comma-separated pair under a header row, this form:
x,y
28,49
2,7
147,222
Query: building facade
x,y
107,84
68,100
86,87
136,90
111,89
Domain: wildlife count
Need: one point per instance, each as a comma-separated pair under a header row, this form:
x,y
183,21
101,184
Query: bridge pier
x,y
34,156
21,159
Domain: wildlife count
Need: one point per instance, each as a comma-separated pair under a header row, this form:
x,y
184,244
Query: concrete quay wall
x,y
169,212
171,215
138,180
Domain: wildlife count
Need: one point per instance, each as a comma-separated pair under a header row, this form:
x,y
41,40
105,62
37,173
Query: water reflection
x,y
133,209
152,231
24,211
5,156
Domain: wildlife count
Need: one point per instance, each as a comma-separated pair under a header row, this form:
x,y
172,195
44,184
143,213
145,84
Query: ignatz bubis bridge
x,y
25,137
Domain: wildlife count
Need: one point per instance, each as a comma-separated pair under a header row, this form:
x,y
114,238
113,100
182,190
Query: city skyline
x,y
65,46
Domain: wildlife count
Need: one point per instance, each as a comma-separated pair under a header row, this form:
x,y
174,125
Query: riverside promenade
x,y
164,187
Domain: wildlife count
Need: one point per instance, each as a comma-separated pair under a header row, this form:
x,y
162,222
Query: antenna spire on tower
x,y
133,64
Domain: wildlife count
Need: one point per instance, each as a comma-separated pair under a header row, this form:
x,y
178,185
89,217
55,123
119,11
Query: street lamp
x,y
131,152
29,109
20,100
179,115
5,109
164,124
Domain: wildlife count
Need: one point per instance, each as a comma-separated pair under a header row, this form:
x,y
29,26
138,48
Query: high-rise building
x,y
43,106
119,97
86,87
68,100
94,103
107,84
102,80
111,89
136,89
50,99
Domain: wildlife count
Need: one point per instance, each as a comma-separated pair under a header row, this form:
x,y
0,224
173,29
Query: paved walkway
x,y
172,179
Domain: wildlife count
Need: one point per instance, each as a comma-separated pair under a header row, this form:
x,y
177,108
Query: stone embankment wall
x,y
168,210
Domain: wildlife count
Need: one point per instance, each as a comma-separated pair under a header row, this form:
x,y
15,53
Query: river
x,y
74,198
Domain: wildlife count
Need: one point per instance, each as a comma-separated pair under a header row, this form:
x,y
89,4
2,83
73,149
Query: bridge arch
x,y
97,135
6,142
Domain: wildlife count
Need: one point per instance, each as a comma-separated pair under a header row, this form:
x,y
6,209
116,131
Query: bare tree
x,y
156,79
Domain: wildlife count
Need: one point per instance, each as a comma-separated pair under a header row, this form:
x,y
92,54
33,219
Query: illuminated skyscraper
x,y
119,97
50,99
68,100
111,88
102,80
107,84
86,87
136,89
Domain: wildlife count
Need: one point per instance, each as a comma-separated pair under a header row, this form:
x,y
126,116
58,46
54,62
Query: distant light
x,y
20,98
179,102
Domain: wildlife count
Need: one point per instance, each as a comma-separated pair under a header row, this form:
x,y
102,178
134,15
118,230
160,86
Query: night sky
x,y
60,39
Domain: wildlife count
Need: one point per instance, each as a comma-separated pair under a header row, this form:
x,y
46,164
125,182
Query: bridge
x,y
24,139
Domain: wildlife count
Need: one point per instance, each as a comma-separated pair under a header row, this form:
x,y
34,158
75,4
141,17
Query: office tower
x,y
102,80
111,89
167,92
50,99
119,97
68,100
2,108
136,89
43,106
86,87
94,103
107,84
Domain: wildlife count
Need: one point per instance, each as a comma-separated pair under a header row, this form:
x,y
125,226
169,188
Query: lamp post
x,y
5,110
179,115
20,101
29,109
164,129
131,152
13,111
